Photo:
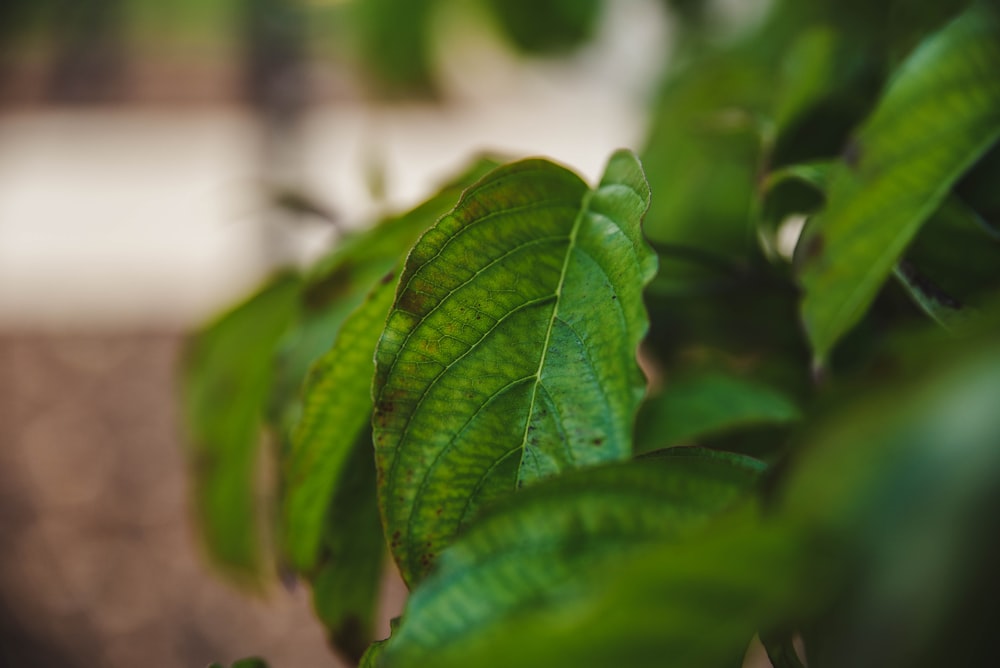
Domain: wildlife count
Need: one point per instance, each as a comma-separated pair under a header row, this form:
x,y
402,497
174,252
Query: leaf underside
x,y
509,354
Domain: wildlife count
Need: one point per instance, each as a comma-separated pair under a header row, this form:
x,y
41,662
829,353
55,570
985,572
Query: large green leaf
x,y
509,354
227,376
550,545
939,114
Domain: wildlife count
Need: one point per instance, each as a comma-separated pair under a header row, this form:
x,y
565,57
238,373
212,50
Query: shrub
x,y
816,458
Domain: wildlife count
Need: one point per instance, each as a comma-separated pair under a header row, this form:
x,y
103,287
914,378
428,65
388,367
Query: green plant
x,y
504,447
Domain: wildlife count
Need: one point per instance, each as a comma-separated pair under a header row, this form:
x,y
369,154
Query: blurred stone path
x,y
98,562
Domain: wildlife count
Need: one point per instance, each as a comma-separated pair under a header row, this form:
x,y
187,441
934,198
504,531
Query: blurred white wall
x,y
144,217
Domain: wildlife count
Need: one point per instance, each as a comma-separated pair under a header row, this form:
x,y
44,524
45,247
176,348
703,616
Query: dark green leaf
x,y
547,25
227,376
828,81
551,545
959,253
509,354
904,490
731,321
978,189
707,404
346,584
941,112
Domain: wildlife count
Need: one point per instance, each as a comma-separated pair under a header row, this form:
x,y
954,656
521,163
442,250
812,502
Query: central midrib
x,y
578,221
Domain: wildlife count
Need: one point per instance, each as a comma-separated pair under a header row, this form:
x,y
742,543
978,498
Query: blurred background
x,y
157,161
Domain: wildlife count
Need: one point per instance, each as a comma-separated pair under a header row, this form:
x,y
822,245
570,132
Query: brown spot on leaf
x,y
415,302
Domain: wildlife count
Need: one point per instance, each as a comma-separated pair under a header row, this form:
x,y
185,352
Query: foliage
x,y
814,456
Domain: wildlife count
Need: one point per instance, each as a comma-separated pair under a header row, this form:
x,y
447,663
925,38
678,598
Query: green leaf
x,y
509,354
394,40
552,544
702,154
903,488
226,378
346,583
545,26
829,80
732,320
337,412
331,530
940,113
707,404
696,603
816,175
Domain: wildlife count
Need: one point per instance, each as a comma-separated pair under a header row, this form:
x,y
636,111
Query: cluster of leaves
x,y
816,457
